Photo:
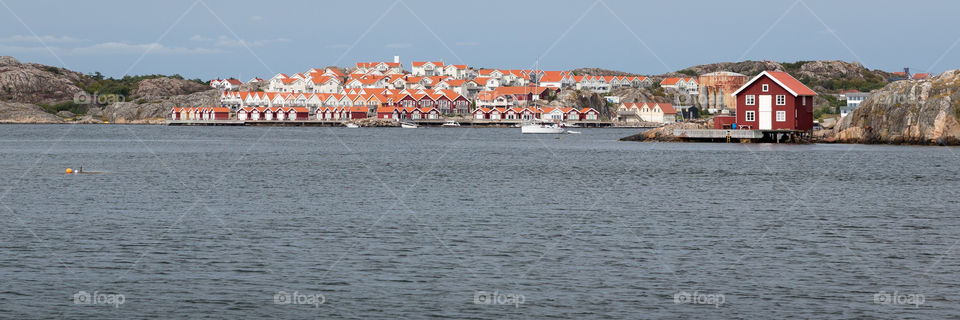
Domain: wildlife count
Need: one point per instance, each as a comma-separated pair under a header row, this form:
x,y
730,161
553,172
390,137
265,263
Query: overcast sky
x,y
209,39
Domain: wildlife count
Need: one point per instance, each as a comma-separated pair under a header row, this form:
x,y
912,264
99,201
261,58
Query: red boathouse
x,y
774,101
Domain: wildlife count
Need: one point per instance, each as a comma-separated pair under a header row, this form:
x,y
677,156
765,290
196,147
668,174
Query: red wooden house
x,y
774,101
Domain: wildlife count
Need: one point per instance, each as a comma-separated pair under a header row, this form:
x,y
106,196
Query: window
x,y
781,116
765,87
804,100
750,116
751,100
781,99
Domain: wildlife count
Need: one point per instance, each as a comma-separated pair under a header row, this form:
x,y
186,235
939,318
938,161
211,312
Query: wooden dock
x,y
731,135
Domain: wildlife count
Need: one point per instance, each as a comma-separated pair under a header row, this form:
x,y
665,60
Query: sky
x,y
210,39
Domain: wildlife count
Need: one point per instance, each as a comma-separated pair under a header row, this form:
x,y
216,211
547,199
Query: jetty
x,y
735,135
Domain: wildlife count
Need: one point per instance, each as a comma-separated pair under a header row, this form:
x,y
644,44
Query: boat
x,y
352,125
408,125
569,125
573,132
541,127
450,123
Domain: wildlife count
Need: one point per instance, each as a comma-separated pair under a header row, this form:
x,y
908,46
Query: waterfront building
x,y
775,101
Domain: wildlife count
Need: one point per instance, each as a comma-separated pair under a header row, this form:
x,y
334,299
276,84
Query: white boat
x,y
450,123
408,125
352,125
550,128
569,125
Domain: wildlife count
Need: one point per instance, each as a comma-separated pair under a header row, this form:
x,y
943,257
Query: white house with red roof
x,y
688,85
457,71
661,113
230,84
382,67
427,68
555,79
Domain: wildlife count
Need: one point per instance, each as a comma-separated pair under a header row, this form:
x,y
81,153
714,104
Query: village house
x,y
427,68
688,85
456,71
230,84
382,67
634,113
775,101
853,98
554,79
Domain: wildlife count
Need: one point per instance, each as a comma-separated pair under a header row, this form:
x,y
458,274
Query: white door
x,y
766,112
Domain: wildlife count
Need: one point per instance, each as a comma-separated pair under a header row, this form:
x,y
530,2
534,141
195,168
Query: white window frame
x,y
804,100
781,116
751,100
750,116
765,87
781,99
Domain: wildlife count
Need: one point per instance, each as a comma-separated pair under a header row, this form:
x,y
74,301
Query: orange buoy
x,y
69,170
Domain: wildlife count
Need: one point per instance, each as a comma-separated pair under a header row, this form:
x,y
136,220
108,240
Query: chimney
x,y
396,59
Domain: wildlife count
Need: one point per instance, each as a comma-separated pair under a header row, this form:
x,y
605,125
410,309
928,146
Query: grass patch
x,y
75,108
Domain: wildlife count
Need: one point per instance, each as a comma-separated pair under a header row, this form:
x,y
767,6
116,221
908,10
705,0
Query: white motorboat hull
x,y
408,126
541,129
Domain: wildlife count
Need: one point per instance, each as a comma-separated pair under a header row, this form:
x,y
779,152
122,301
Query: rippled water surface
x,y
215,222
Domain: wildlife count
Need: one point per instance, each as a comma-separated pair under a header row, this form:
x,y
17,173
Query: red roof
x,y
670,81
420,63
666,107
791,84
785,80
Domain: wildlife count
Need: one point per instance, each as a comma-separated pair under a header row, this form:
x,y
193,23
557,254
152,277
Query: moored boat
x,y
541,127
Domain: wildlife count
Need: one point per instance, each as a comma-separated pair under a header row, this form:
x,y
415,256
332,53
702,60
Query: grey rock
x,y
35,83
908,111
15,112
166,87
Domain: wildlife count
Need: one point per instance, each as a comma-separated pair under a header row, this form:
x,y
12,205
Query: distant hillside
x,y
28,90
600,72
821,76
